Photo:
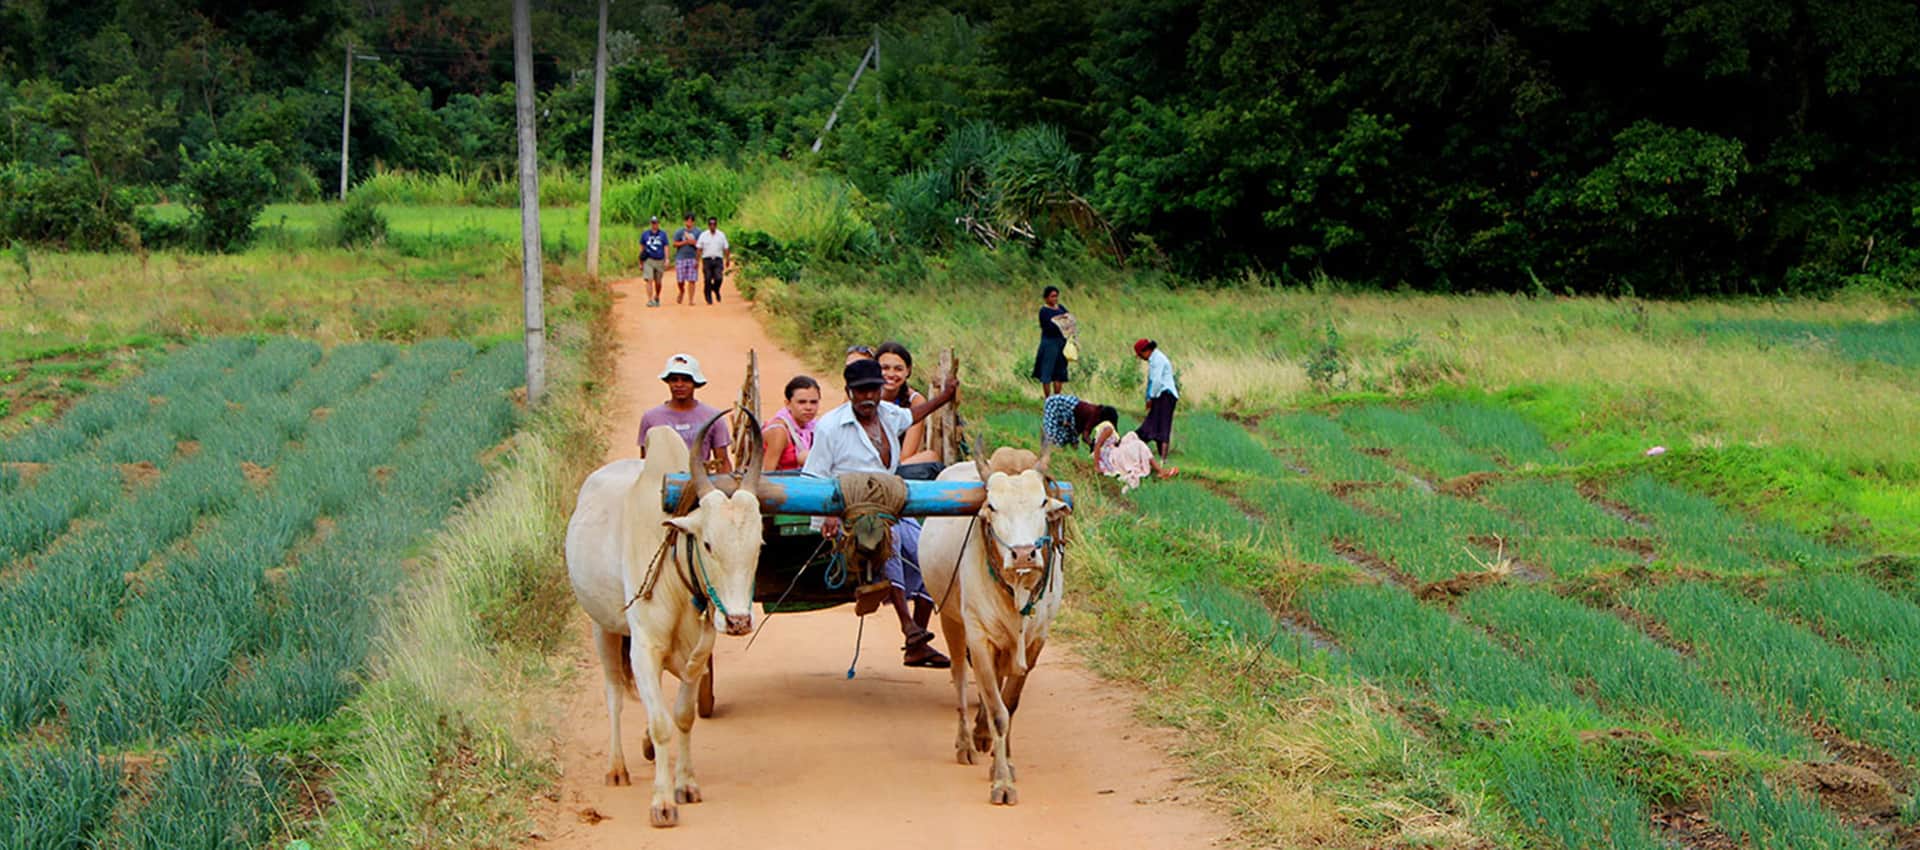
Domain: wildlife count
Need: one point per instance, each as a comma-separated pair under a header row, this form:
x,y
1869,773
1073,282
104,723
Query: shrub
x,y
770,256
359,222
227,189
64,206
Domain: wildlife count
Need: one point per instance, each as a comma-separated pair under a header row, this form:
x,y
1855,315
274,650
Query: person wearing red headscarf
x,y
1162,395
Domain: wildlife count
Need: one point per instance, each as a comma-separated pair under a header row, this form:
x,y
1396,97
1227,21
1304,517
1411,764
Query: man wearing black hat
x,y
863,435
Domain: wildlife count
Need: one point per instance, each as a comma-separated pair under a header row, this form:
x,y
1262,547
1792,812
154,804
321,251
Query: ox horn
x,y
982,454
757,459
697,475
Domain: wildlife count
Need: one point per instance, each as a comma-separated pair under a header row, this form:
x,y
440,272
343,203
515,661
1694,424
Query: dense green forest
x,y
1659,147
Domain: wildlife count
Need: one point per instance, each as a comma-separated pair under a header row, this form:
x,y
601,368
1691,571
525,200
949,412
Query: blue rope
x,y
836,572
862,630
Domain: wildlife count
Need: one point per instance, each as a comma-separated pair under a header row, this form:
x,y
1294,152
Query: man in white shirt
x,y
863,435
715,254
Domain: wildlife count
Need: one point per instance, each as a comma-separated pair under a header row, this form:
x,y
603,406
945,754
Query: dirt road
x,y
797,754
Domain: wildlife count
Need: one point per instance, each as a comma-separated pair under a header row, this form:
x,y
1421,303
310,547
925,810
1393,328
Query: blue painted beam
x,y
807,496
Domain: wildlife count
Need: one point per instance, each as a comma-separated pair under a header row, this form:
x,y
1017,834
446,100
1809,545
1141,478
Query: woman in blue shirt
x,y
1162,395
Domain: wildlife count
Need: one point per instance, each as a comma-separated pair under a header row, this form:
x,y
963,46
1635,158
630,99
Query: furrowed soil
x,y
799,755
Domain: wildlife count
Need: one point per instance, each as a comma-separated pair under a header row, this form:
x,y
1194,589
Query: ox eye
x,y
709,546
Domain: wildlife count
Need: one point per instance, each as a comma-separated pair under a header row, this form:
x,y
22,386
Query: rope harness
x,y
872,505
1049,544
702,594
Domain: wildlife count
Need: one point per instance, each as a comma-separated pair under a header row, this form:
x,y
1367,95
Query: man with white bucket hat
x,y
685,415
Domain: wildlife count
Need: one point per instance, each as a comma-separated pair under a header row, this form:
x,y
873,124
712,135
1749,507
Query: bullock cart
x,y
797,570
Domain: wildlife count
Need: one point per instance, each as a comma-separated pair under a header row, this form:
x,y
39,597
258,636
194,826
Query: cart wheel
x,y
706,691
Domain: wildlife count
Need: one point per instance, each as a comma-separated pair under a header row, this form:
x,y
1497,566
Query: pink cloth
x,y
1127,459
800,437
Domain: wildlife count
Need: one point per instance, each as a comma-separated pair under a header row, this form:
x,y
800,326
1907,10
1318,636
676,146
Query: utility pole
x,y
346,113
599,144
530,287
872,55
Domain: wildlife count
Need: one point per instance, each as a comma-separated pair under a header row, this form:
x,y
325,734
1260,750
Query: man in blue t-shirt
x,y
686,258
653,259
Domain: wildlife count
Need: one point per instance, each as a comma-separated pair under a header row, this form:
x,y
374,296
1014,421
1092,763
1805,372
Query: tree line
x,y
1657,147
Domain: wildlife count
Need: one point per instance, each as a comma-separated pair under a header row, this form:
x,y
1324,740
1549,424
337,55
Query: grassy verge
x,y
443,750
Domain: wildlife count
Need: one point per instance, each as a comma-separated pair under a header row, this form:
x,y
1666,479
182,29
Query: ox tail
x,y
627,685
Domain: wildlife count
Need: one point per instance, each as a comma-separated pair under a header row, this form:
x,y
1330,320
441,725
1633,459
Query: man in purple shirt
x,y
685,415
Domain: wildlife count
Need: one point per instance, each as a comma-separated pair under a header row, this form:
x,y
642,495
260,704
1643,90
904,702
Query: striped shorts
x,y
686,271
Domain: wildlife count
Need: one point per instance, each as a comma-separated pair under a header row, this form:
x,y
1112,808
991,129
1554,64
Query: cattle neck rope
x,y
1046,543
706,584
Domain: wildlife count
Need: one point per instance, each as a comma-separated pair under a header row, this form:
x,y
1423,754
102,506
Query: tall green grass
x,y
1224,445
1757,815
1324,447
1412,439
1698,533
1492,431
56,797
1629,673
825,216
674,191
1567,801
1882,626
1895,342
1416,650
211,797
1303,520
1428,535
1783,665
1185,506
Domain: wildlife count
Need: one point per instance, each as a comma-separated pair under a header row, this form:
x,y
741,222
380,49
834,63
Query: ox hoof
x,y
982,742
963,754
618,776
646,749
688,793
664,815
1003,795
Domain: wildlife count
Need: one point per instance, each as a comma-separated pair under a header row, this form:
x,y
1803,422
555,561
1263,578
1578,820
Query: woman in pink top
x,y
789,435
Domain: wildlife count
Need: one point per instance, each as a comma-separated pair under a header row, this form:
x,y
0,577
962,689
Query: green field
x,y
1599,648
198,557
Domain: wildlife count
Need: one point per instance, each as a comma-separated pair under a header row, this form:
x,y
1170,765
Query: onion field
x,y
1620,661
200,555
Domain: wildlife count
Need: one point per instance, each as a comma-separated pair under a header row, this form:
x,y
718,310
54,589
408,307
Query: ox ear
x,y
1057,509
685,524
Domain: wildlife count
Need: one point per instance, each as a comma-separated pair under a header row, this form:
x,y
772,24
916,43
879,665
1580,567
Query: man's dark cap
x,y
862,374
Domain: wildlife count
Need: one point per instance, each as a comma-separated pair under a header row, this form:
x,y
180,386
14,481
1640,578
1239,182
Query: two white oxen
x,y
648,616
998,578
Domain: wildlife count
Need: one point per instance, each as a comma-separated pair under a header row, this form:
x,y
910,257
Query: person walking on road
x,y
1162,395
863,435
685,414
1056,328
789,435
653,259
686,259
715,254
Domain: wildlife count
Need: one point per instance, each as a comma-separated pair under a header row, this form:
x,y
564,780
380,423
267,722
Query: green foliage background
x,y
1594,146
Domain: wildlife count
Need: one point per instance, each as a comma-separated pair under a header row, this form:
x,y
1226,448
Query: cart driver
x,y
863,435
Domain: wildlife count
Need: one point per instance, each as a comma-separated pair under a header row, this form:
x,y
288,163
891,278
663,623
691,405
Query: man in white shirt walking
x,y
863,435
715,254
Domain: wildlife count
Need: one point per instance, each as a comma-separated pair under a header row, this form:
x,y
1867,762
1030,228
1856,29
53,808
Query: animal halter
x,y
1047,543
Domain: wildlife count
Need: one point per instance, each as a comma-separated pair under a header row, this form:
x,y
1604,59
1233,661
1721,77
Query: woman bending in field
x,y
1066,420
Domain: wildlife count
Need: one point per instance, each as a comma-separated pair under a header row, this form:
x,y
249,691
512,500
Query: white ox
x,y
983,572
616,530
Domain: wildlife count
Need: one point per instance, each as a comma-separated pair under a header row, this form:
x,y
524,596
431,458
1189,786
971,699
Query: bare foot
x,y
1169,472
